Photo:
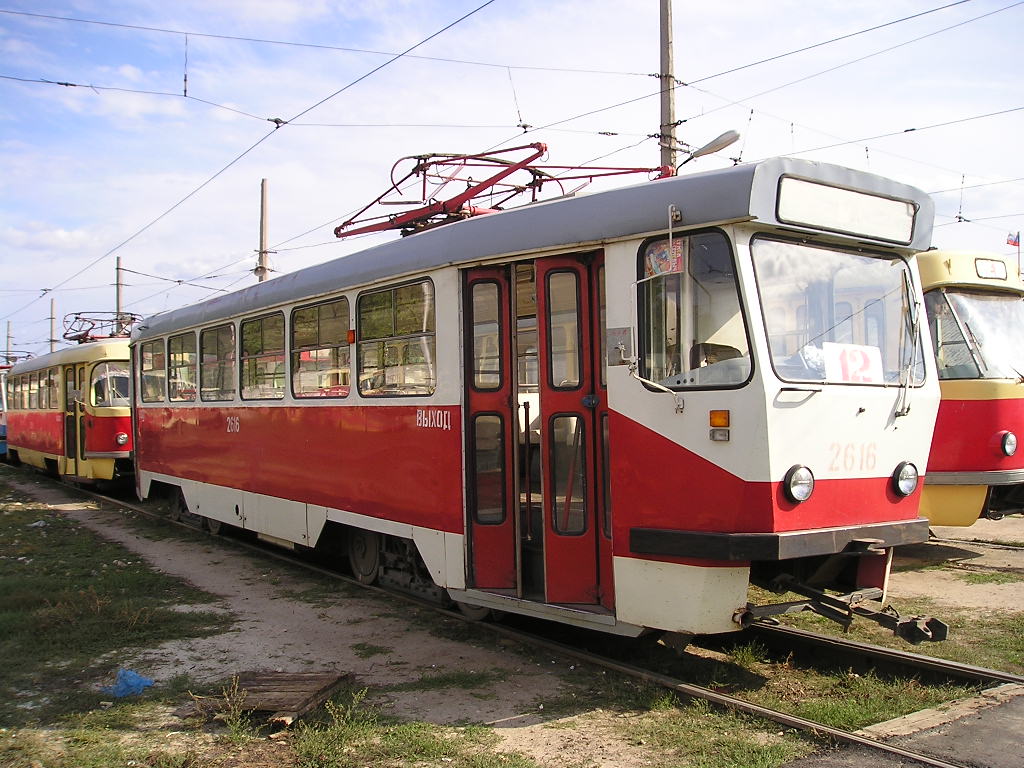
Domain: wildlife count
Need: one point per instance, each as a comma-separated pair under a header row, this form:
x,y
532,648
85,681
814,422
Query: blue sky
x,y
84,169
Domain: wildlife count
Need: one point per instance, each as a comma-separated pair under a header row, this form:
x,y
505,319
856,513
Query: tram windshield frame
x,y
976,334
836,315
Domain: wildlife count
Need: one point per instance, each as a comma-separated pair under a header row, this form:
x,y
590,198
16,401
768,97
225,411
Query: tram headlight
x,y
798,483
905,479
121,438
1009,443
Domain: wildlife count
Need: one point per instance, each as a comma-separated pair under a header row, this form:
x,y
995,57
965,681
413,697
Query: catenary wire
x,y
258,143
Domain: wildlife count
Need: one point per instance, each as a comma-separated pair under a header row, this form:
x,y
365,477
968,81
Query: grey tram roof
x,y
736,193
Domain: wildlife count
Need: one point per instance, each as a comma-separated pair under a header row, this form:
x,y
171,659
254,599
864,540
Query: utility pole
x,y
9,339
53,325
667,134
261,266
118,306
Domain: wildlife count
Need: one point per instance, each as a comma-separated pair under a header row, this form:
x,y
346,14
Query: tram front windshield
x,y
976,334
837,316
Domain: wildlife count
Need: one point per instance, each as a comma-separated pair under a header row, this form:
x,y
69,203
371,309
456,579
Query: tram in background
x,y
975,308
70,412
3,411
616,410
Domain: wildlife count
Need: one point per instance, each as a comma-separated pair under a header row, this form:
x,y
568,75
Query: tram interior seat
x,y
707,353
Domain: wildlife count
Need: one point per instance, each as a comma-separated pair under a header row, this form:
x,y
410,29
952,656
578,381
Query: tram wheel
x,y
473,612
179,509
364,555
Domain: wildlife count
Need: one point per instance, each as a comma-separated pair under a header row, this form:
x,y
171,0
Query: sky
x,y
125,162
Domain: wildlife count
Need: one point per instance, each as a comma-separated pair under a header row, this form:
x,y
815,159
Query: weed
x,y
235,714
983,577
368,650
458,679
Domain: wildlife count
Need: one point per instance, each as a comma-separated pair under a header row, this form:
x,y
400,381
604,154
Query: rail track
x,y
772,636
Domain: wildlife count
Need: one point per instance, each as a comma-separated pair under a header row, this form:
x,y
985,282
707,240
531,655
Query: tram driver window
x,y
693,332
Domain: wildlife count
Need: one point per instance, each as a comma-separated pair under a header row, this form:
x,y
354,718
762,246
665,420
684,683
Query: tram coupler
x,y
843,609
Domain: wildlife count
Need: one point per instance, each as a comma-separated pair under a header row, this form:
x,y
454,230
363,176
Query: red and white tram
x,y
616,410
69,412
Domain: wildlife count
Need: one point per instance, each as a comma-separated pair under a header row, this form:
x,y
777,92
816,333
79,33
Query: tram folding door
x,y
536,410
489,429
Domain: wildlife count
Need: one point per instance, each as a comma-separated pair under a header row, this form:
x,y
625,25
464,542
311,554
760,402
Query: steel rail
x,y
819,730
791,636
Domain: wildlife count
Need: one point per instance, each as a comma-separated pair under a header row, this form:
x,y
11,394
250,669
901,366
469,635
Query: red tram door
x,y
536,430
490,431
571,404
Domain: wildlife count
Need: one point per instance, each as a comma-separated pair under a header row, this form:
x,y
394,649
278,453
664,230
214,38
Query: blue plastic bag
x,y
129,683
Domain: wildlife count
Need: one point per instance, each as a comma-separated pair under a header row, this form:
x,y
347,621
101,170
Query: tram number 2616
x,y
853,456
234,424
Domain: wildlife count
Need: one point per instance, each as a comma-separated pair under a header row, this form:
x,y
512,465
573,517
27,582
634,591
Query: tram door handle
x,y
591,401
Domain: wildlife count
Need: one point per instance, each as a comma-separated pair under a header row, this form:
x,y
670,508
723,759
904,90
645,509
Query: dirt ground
x,y
275,631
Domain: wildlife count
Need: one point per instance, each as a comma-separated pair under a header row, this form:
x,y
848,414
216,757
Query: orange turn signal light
x,y
719,418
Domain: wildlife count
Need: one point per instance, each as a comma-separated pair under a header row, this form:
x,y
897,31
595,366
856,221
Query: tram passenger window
x,y
396,341
181,368
33,391
217,371
320,350
263,372
693,331
52,389
110,384
152,371
487,334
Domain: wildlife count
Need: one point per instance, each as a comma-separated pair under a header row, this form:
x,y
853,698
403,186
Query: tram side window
x,y
33,391
181,367
320,350
396,341
151,371
263,358
110,384
52,389
217,371
694,334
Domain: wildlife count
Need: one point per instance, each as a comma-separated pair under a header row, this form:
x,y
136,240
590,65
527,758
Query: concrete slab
x,y
981,732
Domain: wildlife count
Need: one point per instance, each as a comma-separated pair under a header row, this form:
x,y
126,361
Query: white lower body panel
x,y
679,598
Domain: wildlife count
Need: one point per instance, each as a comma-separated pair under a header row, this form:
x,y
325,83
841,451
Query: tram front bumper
x,y
785,545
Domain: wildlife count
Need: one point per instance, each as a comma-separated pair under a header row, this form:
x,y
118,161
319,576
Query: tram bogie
x,y
975,306
617,410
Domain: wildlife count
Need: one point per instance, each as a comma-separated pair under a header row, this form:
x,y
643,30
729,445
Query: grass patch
x,y
697,735
354,735
369,650
990,577
67,598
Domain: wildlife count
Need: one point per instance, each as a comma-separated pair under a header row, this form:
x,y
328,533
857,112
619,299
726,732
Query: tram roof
x,y
90,351
730,194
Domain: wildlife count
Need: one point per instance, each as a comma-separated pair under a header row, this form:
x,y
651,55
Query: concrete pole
x,y
261,267
53,325
668,93
118,305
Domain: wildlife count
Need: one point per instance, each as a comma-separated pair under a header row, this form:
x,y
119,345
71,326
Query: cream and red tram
x,y
70,412
975,309
616,410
